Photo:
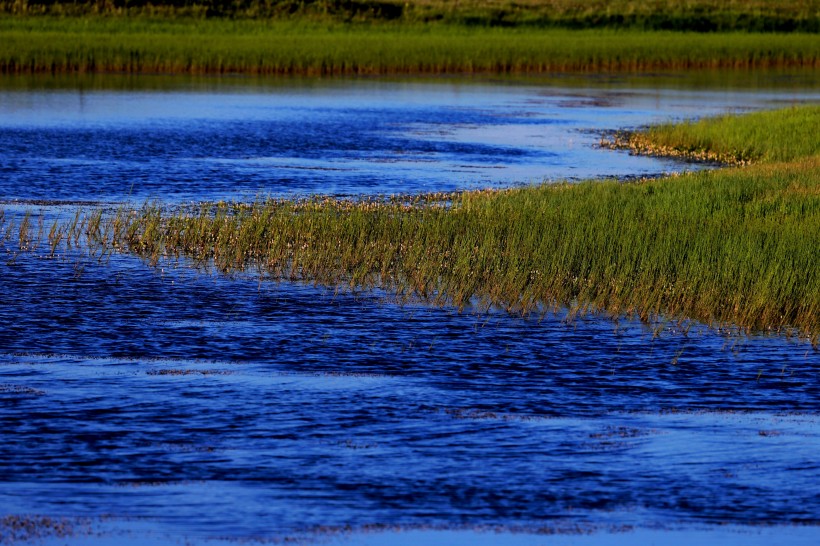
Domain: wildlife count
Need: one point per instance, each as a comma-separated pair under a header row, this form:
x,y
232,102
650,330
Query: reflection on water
x,y
186,405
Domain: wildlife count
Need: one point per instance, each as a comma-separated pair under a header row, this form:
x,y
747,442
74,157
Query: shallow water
x,y
168,403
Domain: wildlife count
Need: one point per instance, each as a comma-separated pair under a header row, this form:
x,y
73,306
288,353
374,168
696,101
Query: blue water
x,y
239,408
344,138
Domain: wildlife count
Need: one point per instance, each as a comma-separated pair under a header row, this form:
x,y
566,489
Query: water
x,y
159,404
186,143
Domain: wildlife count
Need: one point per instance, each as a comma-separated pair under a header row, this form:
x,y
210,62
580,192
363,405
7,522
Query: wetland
x,y
158,400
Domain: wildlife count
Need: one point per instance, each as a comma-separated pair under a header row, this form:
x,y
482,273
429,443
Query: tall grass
x,y
30,45
780,135
736,246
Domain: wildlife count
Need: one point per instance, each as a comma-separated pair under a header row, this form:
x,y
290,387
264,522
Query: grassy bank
x,y
736,246
689,15
66,45
782,135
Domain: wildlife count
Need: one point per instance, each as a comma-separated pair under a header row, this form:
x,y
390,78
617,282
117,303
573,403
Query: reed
x,y
50,45
734,246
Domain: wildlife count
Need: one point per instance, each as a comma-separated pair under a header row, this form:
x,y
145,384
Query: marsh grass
x,y
737,246
76,45
778,135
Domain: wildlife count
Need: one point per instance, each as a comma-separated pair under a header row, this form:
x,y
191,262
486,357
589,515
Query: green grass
x,y
67,45
694,15
781,135
737,246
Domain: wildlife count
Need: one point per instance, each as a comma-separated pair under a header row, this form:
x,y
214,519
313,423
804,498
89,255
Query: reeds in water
x,y
735,246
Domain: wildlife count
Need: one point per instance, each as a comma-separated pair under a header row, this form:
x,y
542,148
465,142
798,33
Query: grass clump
x,y
68,45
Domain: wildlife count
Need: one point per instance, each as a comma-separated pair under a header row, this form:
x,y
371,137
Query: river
x,y
149,405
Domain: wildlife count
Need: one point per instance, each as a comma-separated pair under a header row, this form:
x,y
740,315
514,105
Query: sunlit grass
x,y
32,45
736,246
780,135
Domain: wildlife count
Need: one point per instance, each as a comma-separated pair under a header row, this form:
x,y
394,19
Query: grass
x,y
691,15
214,46
781,135
735,246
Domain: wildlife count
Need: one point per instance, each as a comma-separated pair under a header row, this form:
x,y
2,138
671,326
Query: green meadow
x,y
215,47
730,247
421,37
782,135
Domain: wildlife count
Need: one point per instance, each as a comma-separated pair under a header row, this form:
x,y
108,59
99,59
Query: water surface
x,y
186,143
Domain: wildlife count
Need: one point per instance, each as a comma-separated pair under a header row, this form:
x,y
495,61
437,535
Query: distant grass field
x,y
193,46
737,246
679,15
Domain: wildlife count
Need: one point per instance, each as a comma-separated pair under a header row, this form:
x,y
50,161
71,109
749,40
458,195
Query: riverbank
x,y
275,47
781,135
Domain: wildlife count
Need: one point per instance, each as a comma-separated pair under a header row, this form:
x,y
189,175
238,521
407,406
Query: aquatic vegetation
x,y
26,528
67,45
735,246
